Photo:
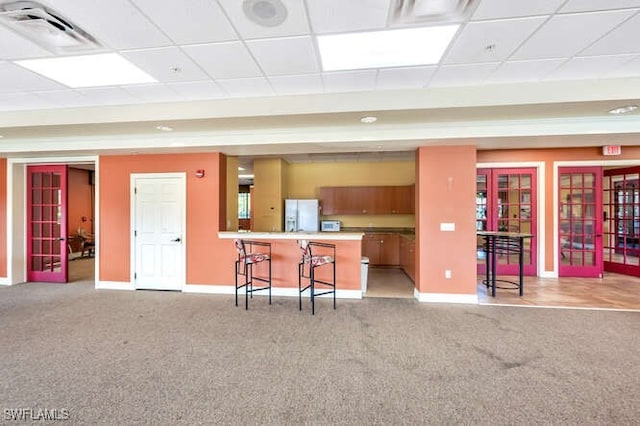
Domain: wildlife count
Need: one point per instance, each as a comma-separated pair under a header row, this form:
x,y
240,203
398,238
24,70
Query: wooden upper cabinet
x,y
362,200
326,195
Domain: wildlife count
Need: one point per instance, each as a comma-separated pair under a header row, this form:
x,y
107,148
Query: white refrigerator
x,y
301,215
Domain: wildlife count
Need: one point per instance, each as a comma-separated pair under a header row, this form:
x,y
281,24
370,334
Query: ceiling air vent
x,y
429,11
45,27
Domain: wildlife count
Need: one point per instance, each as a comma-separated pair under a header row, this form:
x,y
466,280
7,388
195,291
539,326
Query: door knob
x,y
177,240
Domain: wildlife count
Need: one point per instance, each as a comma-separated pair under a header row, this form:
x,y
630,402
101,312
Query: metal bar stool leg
x,y
334,284
312,284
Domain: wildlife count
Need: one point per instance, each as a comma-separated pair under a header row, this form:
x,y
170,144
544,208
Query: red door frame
x,y
47,255
621,249
578,234
493,219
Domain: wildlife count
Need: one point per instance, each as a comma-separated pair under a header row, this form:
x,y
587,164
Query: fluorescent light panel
x,y
106,69
380,49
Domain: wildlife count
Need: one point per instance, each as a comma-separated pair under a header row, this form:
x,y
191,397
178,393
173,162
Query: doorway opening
x,y
47,199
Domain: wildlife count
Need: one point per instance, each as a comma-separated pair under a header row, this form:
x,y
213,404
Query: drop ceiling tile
x,y
521,71
471,46
404,78
589,67
247,87
629,69
14,78
224,60
330,16
282,56
349,81
462,75
297,84
13,46
295,23
197,90
108,96
493,9
189,21
115,23
160,63
564,35
25,101
589,5
64,98
152,93
623,39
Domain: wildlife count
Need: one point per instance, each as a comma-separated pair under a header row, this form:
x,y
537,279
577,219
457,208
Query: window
x,y
244,205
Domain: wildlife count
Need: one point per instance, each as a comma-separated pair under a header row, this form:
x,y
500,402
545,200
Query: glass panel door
x,y
47,224
622,221
506,201
580,233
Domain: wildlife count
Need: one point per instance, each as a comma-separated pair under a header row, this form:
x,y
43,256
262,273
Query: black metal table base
x,y
508,243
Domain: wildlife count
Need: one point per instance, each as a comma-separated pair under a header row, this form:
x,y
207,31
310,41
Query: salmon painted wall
x,y
549,156
445,190
209,260
78,203
305,179
3,217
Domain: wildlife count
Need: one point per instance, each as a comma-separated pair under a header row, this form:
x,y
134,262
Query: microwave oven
x,y
330,225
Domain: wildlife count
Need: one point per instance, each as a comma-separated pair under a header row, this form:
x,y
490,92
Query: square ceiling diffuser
x,y
46,27
429,11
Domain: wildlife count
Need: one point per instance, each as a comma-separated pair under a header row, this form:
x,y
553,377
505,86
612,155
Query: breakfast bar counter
x,y
286,254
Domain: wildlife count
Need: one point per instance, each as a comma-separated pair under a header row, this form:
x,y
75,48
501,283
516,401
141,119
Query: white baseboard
x,y
446,298
208,289
5,281
275,291
548,274
114,285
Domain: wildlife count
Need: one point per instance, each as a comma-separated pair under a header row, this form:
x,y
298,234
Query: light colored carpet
x,y
149,357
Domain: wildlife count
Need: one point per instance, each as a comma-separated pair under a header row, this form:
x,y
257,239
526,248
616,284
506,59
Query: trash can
x,y
364,273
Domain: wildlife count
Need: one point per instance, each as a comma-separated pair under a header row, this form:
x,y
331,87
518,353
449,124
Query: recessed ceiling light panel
x,y
380,49
106,69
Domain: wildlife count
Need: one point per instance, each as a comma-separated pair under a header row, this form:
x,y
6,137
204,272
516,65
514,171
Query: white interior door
x,y
158,231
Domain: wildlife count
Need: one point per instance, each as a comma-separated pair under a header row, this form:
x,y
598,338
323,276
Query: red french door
x,y
47,224
506,200
621,228
580,233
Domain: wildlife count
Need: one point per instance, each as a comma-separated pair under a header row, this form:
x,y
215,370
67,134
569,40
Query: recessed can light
x,y
368,119
164,128
623,109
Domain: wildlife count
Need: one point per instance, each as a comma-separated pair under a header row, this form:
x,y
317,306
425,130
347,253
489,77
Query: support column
x,y
445,224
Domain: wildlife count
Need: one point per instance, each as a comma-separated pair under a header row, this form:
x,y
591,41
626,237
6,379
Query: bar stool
x,y
325,255
247,258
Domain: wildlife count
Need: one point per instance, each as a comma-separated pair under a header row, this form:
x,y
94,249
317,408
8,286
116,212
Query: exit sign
x,y
611,150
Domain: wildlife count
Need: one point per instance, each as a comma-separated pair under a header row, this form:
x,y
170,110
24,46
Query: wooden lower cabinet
x,y
382,249
408,256
390,249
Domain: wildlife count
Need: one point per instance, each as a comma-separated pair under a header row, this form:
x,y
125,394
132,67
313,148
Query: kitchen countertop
x,y
367,229
292,235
